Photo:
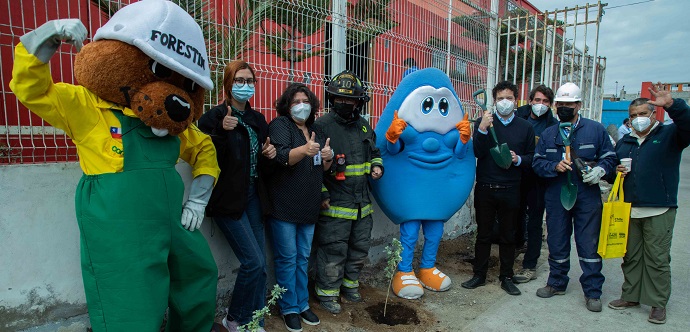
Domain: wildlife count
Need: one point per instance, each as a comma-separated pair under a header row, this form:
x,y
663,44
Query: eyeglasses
x,y
241,81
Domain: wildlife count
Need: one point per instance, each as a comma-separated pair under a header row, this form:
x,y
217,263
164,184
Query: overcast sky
x,y
648,41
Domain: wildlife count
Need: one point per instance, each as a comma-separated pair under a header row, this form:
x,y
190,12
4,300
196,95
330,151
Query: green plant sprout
x,y
276,293
393,253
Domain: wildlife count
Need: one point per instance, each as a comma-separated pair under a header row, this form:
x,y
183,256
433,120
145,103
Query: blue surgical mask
x,y
300,112
242,94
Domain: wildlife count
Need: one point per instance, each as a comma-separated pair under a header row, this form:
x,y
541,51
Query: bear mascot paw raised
x,y
142,84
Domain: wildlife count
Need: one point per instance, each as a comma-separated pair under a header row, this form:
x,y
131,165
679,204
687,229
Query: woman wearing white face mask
x,y
304,155
240,199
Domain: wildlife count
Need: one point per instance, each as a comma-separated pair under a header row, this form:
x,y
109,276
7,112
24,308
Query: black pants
x,y
492,203
531,216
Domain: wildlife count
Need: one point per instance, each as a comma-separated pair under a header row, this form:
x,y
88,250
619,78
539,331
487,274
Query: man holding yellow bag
x,y
651,185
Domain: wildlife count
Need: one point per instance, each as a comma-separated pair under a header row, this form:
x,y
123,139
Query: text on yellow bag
x,y
615,219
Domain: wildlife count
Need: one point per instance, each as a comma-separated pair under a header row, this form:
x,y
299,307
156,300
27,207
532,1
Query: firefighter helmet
x,y
348,85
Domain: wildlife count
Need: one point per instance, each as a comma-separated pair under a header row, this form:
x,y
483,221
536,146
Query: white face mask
x,y
300,112
642,123
504,107
539,109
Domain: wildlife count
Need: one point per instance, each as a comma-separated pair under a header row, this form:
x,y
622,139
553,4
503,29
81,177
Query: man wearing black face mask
x,y
590,142
344,227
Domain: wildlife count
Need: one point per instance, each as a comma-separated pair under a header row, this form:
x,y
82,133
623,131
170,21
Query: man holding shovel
x,y
573,199
501,159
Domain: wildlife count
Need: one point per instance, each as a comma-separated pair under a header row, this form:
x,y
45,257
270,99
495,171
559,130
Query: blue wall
x,y
613,112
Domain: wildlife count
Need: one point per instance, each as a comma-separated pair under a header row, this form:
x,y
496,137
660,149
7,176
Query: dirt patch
x,y
393,314
435,311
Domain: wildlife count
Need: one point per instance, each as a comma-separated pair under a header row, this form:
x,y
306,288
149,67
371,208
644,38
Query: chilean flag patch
x,y
115,132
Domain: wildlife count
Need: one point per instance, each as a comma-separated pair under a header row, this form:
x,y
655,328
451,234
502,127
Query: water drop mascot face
x,y
424,138
142,82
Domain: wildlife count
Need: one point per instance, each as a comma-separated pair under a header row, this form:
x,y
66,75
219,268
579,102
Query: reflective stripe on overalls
x,y
136,258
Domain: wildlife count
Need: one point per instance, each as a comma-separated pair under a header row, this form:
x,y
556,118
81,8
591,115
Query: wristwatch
x,y
332,155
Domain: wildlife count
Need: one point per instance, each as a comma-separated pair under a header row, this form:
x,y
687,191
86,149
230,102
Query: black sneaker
x,y
510,288
309,317
292,322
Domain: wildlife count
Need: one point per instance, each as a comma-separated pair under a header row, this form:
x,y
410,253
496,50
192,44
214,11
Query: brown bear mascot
x,y
143,79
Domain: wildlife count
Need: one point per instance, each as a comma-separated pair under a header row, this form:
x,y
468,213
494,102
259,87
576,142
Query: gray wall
x,y
39,244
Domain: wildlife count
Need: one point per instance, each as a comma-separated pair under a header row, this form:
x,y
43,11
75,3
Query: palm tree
x,y
289,21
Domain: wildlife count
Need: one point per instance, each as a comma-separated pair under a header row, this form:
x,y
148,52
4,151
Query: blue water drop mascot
x,y
424,138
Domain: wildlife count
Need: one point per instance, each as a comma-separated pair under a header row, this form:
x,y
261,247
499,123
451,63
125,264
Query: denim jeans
x,y
247,240
291,249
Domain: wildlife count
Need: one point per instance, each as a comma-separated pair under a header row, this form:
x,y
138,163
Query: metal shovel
x,y
569,189
500,152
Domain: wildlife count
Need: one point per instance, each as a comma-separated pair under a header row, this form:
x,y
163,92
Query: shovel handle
x,y
567,152
474,96
482,105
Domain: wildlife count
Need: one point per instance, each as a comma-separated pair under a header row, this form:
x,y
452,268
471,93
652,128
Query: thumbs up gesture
x,y
268,150
327,151
229,122
395,129
311,148
464,129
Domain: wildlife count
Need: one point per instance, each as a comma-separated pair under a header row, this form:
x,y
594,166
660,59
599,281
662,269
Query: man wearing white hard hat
x,y
590,143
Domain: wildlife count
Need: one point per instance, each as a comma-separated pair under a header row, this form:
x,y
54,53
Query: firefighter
x,y
344,226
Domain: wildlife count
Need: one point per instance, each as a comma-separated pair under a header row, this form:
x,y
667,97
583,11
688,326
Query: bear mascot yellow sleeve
x,y
142,84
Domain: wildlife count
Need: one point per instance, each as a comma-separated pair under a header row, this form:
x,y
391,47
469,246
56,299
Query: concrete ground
x,y
490,309
568,313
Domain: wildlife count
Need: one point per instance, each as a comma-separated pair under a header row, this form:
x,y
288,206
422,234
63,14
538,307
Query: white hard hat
x,y
568,92
166,33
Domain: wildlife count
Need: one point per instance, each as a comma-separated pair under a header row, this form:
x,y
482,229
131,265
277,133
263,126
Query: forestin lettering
x,y
179,46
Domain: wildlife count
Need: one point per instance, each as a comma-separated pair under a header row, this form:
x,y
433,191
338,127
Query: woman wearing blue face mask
x,y
295,190
240,199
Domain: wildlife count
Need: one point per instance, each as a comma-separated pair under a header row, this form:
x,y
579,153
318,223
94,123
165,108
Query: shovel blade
x,y
501,155
568,194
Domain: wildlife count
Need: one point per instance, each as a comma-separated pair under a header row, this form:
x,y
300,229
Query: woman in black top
x,y
239,199
296,195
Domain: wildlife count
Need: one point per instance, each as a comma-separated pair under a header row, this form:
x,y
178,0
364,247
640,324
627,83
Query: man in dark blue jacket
x,y
652,187
538,114
591,143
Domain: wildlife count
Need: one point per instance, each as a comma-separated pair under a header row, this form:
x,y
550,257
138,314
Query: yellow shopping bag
x,y
615,219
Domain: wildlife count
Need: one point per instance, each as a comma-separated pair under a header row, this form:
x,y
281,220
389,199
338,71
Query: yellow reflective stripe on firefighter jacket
x,y
356,141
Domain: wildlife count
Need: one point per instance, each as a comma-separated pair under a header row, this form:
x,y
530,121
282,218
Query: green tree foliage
x,y
368,19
